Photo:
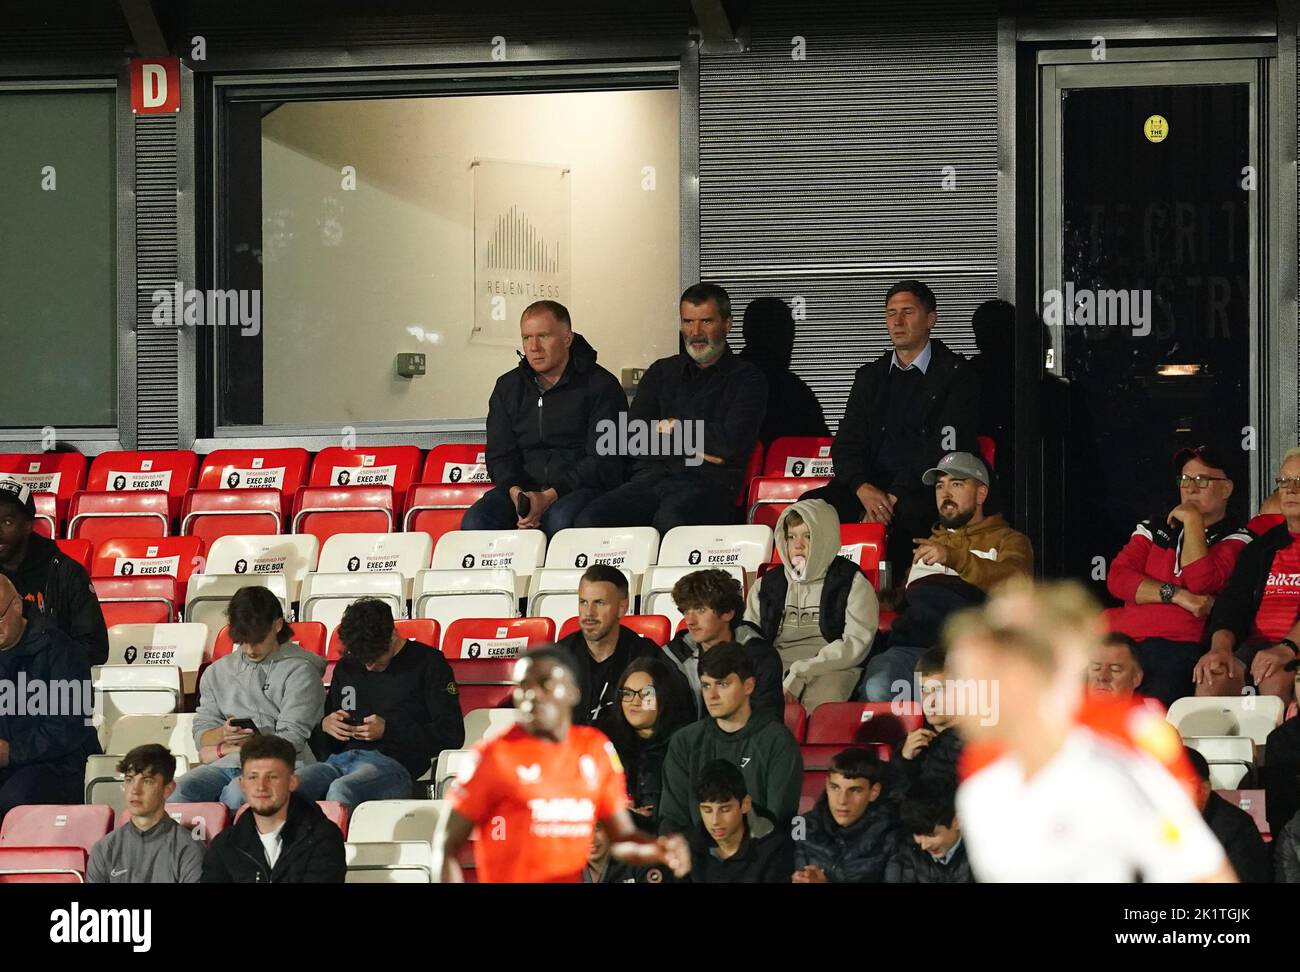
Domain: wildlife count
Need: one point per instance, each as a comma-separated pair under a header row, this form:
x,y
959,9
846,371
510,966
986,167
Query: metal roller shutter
x,y
156,252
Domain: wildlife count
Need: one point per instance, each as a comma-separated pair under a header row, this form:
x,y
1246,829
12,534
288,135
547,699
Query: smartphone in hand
x,y
244,724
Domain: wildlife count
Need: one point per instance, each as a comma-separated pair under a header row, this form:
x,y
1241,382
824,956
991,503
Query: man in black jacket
x,y
392,707
691,428
851,833
936,853
906,409
42,756
544,424
601,647
1234,827
282,838
1254,627
55,585
712,604
1281,774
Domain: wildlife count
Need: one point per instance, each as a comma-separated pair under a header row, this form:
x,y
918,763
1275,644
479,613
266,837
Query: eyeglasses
x,y
645,694
1290,483
1201,481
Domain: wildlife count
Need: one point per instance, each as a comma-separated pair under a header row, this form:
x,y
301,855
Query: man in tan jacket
x,y
963,559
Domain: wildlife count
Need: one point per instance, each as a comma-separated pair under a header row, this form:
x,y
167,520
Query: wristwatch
x,y
1290,644
1167,591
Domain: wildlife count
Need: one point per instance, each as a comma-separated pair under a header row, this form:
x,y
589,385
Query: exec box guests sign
x,y
156,86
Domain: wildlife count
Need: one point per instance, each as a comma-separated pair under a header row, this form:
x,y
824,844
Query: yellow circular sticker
x,y
1156,128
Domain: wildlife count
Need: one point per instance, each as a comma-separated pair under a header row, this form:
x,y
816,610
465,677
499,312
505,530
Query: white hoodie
x,y
805,654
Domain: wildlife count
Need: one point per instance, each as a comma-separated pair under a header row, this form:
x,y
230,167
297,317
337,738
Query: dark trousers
x,y
494,511
1167,668
662,504
915,515
39,783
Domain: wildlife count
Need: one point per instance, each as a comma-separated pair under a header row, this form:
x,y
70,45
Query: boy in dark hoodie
x,y
733,844
929,754
545,471
935,854
760,745
851,833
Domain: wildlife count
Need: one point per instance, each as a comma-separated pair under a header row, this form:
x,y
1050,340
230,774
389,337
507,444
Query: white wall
x,y
346,273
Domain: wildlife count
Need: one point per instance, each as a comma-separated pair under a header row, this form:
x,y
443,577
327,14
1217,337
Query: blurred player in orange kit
x,y
1057,787
537,791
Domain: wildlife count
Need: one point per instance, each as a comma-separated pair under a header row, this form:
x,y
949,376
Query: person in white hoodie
x,y
819,610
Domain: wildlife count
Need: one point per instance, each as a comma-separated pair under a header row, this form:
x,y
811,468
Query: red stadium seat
x,y
42,865
281,469
176,557
1251,801
137,600
483,683
101,516
752,468
307,635
392,466
336,813
796,720
495,637
326,510
457,463
60,473
47,515
656,627
856,723
82,551
814,785
770,495
435,509
214,817
171,472
799,456
818,756
423,630
210,514
864,544
988,448
56,825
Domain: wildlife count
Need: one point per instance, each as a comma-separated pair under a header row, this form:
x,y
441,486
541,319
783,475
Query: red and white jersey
x,y
1099,811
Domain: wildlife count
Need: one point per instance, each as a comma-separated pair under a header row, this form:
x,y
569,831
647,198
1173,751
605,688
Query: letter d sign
x,y
156,86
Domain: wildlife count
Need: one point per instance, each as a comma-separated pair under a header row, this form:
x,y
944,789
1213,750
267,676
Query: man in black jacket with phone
x,y
906,410
282,838
52,583
543,426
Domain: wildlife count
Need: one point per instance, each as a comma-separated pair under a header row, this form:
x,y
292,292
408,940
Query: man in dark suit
x,y
907,409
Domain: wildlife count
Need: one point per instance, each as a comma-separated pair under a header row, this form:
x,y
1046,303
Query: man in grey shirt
x,y
151,848
267,680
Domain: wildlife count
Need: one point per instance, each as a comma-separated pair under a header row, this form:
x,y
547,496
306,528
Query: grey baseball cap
x,y
958,465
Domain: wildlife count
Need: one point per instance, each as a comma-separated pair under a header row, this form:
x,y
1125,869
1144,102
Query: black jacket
x,y
729,397
1281,774
934,764
60,590
856,854
765,856
538,439
598,683
950,392
1236,606
1287,849
911,865
55,666
312,852
768,697
1240,838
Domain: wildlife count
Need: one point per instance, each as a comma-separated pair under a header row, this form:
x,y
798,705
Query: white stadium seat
x,y
181,644
1231,758
1232,715
447,595
175,730
631,549
657,590
395,820
523,551
482,723
389,862
326,596
209,594
449,763
748,546
406,553
133,690
555,593
289,556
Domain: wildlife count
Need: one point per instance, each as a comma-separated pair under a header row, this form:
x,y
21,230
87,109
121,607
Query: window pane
x,y
426,225
58,275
